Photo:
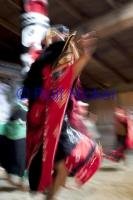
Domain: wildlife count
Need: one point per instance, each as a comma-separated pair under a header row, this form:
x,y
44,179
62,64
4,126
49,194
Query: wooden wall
x,y
104,109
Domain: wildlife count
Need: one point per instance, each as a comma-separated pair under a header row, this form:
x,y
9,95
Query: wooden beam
x,y
97,60
123,50
73,12
10,74
111,3
118,20
10,66
9,26
114,3
14,4
11,70
105,64
99,84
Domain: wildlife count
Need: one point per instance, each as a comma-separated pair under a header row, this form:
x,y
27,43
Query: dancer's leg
x,y
59,180
35,171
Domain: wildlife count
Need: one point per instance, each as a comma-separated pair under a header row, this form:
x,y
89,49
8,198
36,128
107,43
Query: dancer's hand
x,y
87,43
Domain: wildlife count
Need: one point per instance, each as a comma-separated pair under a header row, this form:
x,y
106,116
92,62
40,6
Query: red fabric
x,y
34,53
76,121
129,140
120,115
79,154
47,114
119,153
124,117
116,155
39,6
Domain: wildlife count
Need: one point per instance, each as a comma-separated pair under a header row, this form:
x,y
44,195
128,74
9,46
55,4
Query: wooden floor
x,y
112,182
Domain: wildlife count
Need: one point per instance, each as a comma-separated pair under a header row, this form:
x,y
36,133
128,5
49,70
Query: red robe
x,y
49,112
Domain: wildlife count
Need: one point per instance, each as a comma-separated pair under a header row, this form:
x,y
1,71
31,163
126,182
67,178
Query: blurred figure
x,y
130,128
92,127
34,25
13,144
5,110
83,120
78,117
124,134
121,129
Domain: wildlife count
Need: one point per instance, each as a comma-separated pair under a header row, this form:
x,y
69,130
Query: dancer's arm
x,y
87,44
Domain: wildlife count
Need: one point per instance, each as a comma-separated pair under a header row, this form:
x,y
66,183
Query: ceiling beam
x,y
70,9
114,3
111,3
106,26
11,70
93,79
99,61
118,20
14,3
6,24
108,66
122,49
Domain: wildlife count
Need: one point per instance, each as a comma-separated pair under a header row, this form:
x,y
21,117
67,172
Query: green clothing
x,y
2,128
15,130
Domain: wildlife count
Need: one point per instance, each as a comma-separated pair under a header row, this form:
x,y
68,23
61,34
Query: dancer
x,y
47,118
83,120
121,133
34,25
124,135
13,145
5,111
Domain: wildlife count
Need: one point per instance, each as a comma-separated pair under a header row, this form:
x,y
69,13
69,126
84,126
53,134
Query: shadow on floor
x,y
109,169
7,189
